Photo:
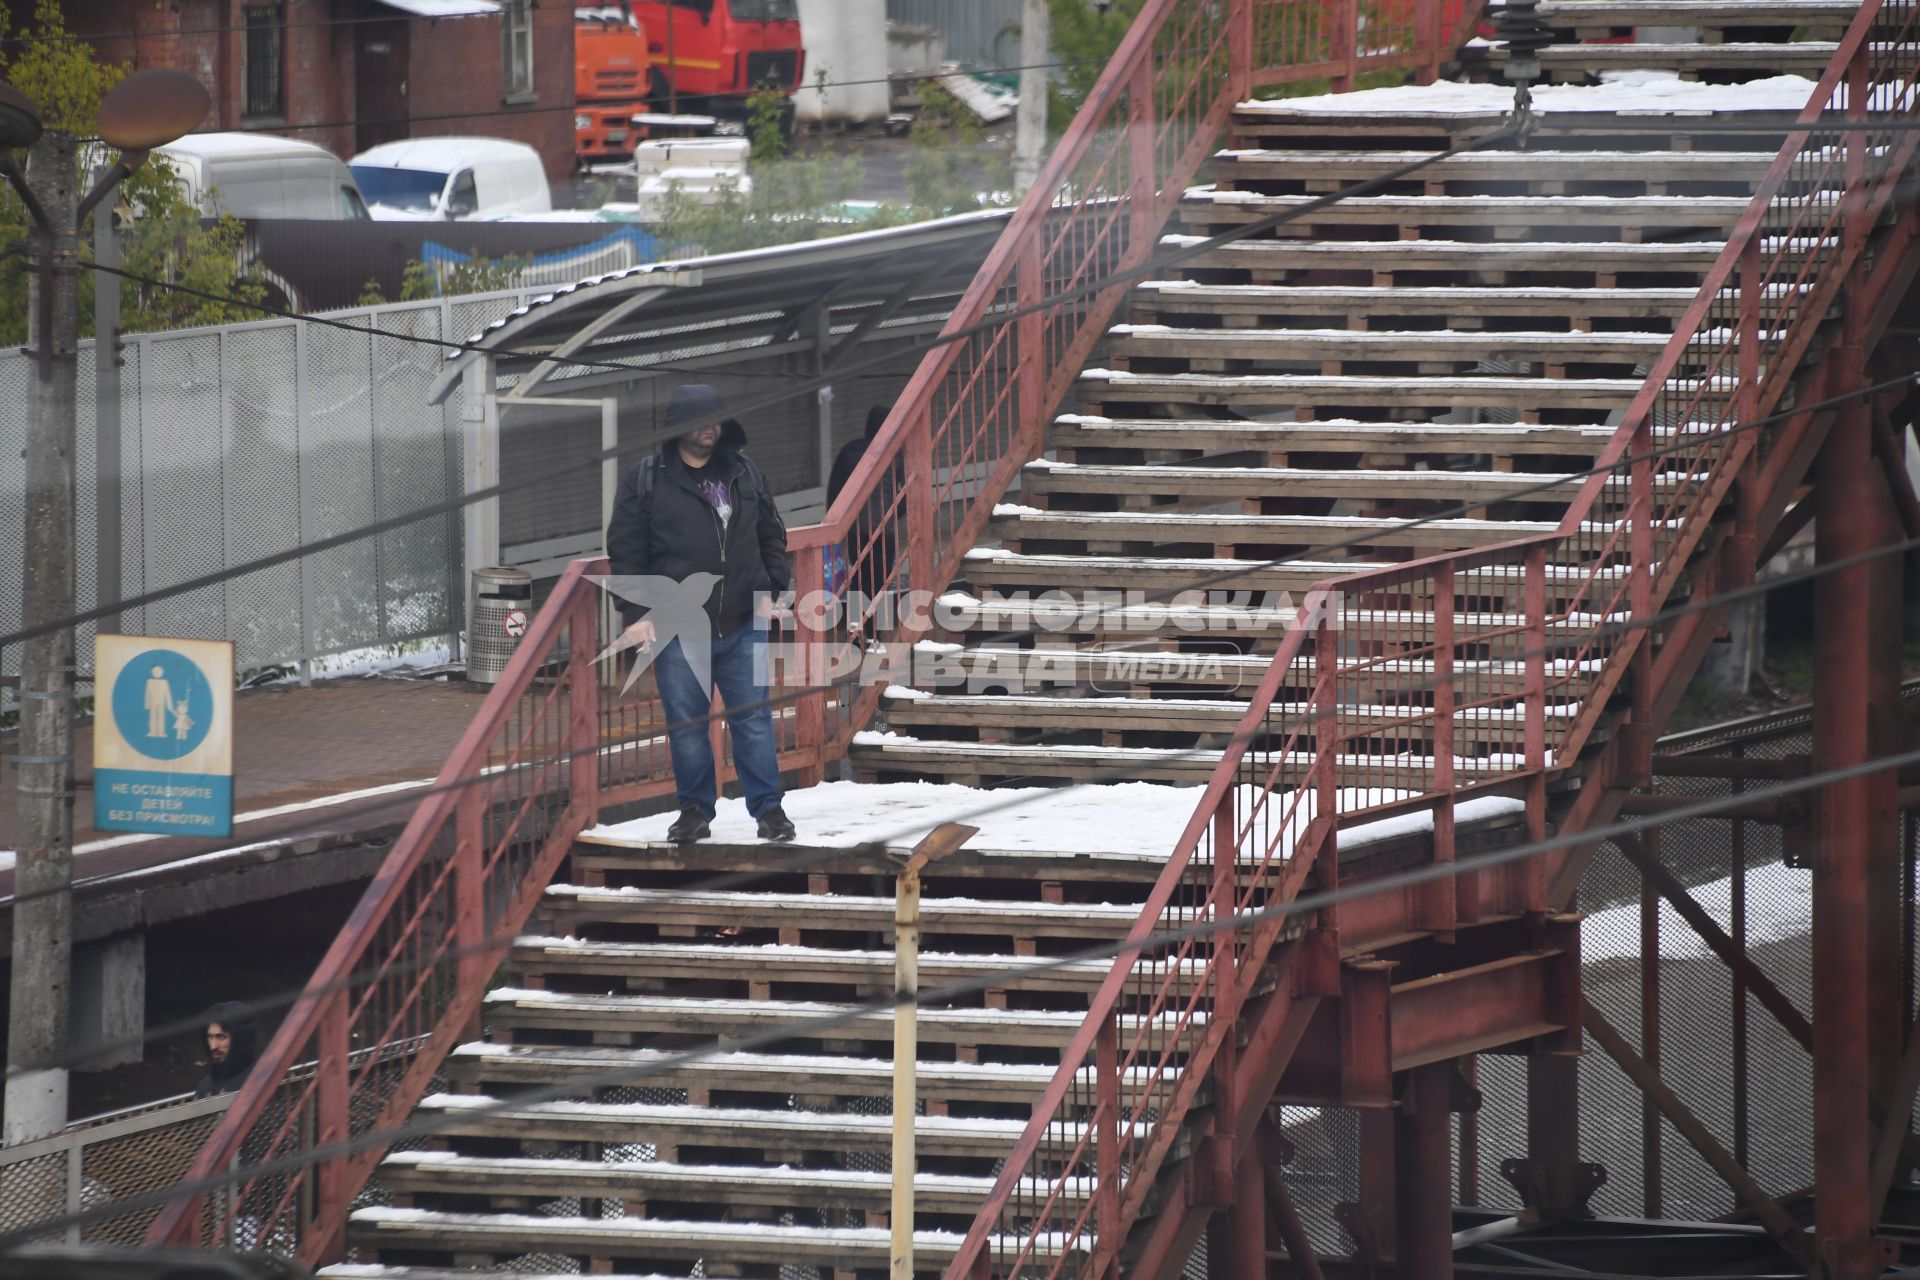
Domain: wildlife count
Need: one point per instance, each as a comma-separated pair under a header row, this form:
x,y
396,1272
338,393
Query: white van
x,y
463,179
261,175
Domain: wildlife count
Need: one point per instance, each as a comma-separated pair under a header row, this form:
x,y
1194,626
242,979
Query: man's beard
x,y
697,447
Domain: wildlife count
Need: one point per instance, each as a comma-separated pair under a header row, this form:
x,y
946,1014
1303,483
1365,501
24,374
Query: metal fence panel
x,y
980,33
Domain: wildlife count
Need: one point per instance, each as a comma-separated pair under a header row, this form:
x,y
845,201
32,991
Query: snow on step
x,y
843,911
995,565
749,1072
714,1126
1129,817
1327,435
1414,299
1044,1026
1634,211
747,1242
794,963
374,1271
1026,522
982,757
1593,393
663,1180
1429,255
1538,165
1193,611
1380,344
1641,93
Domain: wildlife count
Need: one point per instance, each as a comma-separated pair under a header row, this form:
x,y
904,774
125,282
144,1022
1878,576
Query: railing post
x,y
1442,896
1640,569
1240,49
1032,368
1226,905
810,656
1430,33
470,885
1343,45
1533,604
583,701
331,1086
1142,176
917,449
1326,748
1106,1150
1853,223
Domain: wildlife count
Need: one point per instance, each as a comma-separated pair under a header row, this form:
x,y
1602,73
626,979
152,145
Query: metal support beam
x,y
1855,836
1423,1187
1276,1152
1778,1223
1771,997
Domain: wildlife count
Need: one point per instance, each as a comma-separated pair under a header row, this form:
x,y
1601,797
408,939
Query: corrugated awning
x,y
444,8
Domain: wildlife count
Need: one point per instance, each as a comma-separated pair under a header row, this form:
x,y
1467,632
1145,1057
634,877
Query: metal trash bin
x,y
499,608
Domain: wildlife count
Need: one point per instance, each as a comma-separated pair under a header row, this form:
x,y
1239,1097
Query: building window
x,y
516,47
266,59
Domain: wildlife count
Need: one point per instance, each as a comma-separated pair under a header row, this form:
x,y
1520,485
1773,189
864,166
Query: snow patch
x,y
1632,93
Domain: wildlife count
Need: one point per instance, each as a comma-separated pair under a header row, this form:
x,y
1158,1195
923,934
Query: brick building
x,y
348,74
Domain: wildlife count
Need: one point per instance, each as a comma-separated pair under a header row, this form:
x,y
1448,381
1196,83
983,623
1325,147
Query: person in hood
x,y
231,1048
870,539
700,506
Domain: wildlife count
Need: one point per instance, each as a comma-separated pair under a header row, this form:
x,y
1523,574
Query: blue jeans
x,y
737,663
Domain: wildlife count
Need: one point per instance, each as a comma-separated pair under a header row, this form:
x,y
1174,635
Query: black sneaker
x,y
775,825
691,825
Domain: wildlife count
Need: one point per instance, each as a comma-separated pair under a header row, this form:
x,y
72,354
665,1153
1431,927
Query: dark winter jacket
x,y
242,1051
667,528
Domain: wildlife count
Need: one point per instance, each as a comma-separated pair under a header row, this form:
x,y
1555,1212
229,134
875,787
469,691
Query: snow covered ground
x,y
1779,906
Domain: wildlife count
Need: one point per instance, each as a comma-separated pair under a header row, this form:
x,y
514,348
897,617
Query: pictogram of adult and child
x,y
162,704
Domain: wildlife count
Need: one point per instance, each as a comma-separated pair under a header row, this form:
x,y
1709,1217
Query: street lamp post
x,y
141,112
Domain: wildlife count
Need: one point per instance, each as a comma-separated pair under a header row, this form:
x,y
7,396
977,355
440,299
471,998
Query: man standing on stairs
x,y
699,506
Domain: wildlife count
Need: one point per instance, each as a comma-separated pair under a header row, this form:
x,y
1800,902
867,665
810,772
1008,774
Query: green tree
x,y
1084,41
951,171
165,238
475,275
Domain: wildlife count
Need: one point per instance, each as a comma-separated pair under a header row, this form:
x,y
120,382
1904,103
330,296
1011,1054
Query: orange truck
x,y
709,56
611,77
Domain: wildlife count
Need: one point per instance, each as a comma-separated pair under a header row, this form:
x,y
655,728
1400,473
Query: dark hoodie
x,y
870,540
242,1051
664,524
845,461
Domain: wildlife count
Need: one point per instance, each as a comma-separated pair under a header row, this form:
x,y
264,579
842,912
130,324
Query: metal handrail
x,y
1100,1126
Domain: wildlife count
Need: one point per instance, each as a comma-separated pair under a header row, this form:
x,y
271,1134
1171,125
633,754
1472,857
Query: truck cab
x,y
710,56
611,68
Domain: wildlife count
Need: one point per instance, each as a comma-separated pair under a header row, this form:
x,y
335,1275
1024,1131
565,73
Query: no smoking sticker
x,y
516,623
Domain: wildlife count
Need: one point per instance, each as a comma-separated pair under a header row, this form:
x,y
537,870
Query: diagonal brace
x,y
1785,1012
1895,1121
1777,1222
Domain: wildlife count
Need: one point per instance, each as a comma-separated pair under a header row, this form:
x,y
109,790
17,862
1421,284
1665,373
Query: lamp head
x,y
19,118
152,108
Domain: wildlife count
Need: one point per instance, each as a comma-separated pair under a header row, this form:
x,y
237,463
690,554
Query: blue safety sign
x,y
163,736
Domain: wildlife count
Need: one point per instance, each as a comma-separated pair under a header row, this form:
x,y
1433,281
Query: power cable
x,y
538,476
668,1061
816,859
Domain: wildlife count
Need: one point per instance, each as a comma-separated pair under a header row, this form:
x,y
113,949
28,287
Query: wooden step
x,y
489,1065
415,1173
760,1244
986,667
1474,728
1215,614
1024,524
1582,168
1307,391
1321,346
1341,435
1044,477
1807,58
993,568
375,1271
650,1015
1217,207
613,858
888,753
715,1128
1698,13
747,964
1398,257
833,912
1459,305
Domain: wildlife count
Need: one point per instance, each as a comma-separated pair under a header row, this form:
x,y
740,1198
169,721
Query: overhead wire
x,y
668,1061
592,458
817,859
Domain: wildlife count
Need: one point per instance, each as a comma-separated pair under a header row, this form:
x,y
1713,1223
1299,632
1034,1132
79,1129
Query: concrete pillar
x,y
109,1000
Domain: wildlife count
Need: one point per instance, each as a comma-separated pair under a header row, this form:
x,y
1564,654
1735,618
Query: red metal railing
x,y
554,743
1485,669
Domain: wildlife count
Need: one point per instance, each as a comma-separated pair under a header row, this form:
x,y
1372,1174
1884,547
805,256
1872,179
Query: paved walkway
x,y
313,748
